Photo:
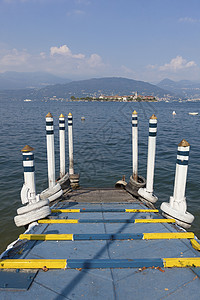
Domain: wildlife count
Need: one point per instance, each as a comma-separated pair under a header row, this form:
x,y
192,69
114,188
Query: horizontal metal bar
x,y
32,263
180,262
154,221
46,237
82,210
104,236
113,263
57,221
50,221
168,235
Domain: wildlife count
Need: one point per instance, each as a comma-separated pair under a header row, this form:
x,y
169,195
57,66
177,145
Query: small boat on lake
x,y
193,113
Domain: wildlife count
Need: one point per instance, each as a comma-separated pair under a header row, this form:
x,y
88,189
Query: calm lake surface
x,y
102,149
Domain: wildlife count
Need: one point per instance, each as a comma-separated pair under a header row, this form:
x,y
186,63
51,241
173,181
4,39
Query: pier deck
x,y
109,254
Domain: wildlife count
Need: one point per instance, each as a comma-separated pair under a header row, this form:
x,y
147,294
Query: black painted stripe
x,y
153,125
50,123
134,125
134,118
182,162
49,132
29,169
61,128
183,153
152,133
61,121
28,157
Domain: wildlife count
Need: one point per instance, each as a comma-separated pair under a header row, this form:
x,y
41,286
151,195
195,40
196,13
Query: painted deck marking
x,y
99,263
118,236
195,244
181,262
82,210
50,221
32,263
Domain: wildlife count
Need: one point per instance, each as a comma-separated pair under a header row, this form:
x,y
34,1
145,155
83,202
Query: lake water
x,y
102,149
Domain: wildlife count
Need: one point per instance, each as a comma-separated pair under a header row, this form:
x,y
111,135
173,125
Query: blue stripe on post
x,y
49,123
134,125
29,169
182,162
49,132
104,236
183,153
152,133
28,157
153,125
114,263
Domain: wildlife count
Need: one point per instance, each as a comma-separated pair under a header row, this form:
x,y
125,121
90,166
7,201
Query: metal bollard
x,y
177,205
135,145
147,193
62,144
70,139
50,149
28,192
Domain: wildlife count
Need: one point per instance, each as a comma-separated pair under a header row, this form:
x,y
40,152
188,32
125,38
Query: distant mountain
x,y
184,88
91,87
99,86
23,80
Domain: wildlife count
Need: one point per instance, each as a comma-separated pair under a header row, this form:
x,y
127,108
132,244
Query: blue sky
x,y
140,39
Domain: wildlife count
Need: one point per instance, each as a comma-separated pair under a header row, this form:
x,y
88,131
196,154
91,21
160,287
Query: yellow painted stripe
x,y
126,210
181,262
168,235
32,263
141,210
154,221
66,210
57,221
47,237
195,244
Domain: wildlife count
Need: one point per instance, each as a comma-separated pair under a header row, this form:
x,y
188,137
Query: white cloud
x,y
95,61
14,58
64,50
188,20
177,63
59,60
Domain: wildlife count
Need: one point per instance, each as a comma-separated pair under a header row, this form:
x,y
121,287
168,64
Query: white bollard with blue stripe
x,y
54,190
28,192
147,193
135,145
50,149
62,144
177,206
36,208
70,139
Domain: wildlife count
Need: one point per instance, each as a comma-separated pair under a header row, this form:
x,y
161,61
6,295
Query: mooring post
x,y
177,205
181,176
70,139
28,192
147,193
50,149
135,145
62,144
